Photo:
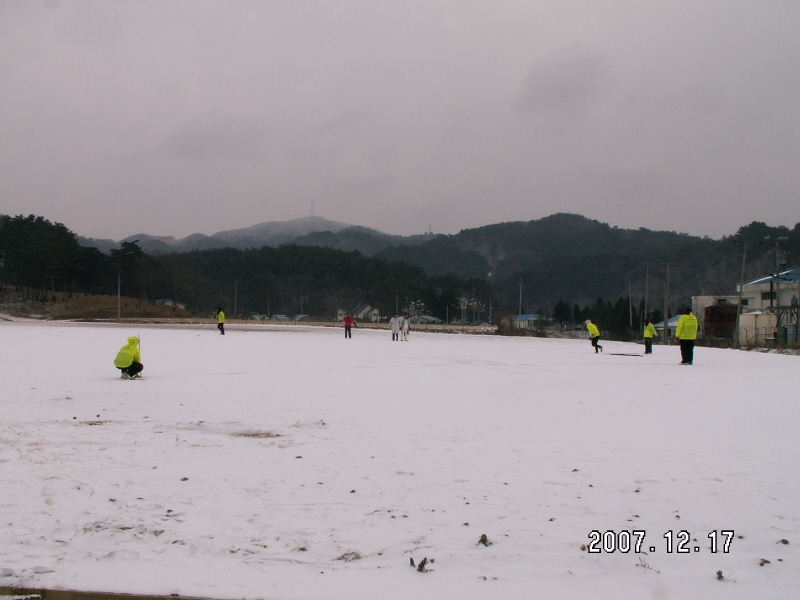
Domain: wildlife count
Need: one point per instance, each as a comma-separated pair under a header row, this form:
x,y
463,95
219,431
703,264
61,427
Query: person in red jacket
x,y
348,323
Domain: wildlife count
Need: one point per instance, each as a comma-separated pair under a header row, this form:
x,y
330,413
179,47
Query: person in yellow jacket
x,y
649,334
221,321
686,334
129,359
594,335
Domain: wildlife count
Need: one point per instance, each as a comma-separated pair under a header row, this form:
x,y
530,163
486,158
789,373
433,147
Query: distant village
x,y
768,316
769,313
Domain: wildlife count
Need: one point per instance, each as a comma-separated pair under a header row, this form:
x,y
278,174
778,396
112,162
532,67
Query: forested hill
x,y
38,257
570,257
561,257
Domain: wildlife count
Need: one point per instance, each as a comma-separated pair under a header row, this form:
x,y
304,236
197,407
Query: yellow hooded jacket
x,y
650,331
128,354
687,327
220,317
593,330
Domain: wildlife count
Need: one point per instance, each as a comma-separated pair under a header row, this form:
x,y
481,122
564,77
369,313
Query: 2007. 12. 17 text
x,y
681,542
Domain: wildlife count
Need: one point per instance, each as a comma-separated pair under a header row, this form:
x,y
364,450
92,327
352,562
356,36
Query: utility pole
x,y
666,307
736,339
646,290
235,295
119,290
520,296
774,282
797,322
474,316
778,257
630,303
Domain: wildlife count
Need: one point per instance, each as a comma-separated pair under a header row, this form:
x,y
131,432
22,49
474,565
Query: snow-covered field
x,y
289,463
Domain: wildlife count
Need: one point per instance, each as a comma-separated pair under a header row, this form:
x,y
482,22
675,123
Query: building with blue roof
x,y
524,321
770,309
772,291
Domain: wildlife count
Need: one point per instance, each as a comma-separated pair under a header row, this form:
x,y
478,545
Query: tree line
x,y
535,269
37,256
570,257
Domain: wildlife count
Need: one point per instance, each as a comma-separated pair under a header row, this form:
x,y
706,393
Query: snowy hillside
x,y
291,463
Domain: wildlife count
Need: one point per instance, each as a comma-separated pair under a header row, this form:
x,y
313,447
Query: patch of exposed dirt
x,y
58,305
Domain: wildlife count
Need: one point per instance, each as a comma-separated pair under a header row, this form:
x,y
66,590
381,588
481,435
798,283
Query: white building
x,y
701,303
365,313
770,309
771,291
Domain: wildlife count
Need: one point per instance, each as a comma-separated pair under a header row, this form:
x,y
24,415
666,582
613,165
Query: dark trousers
x,y
395,336
347,333
648,345
133,369
595,343
221,328
687,351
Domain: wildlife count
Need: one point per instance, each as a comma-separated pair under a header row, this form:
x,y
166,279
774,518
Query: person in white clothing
x,y
394,325
405,326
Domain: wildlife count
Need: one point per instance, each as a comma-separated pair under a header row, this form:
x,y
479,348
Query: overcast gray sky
x,y
171,118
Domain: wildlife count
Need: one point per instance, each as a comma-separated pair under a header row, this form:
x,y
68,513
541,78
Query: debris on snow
x,y
423,565
350,556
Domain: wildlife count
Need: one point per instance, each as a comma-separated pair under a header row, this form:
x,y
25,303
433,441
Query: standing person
x,y
394,325
594,334
348,323
649,334
221,321
686,334
129,359
405,327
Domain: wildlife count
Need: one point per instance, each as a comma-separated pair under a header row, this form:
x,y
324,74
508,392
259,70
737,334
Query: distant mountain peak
x,y
167,239
292,228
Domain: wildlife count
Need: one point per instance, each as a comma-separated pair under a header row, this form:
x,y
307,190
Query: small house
x,y
524,321
172,303
364,312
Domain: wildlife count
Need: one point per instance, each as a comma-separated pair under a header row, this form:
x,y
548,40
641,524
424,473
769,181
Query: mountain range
x,y
306,231
563,256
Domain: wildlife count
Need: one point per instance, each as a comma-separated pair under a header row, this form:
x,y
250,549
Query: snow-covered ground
x,y
290,463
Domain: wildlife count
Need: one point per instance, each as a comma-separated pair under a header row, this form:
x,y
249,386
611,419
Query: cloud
x,y
563,81
218,138
405,114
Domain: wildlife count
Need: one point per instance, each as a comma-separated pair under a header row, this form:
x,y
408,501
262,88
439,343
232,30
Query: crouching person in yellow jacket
x,y
686,334
129,359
